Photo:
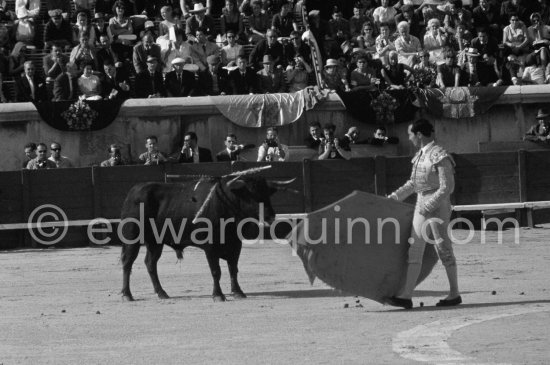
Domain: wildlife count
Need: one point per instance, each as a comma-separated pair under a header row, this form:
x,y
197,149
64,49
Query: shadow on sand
x,y
471,305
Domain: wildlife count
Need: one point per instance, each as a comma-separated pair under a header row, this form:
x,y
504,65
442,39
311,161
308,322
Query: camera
x,y
271,143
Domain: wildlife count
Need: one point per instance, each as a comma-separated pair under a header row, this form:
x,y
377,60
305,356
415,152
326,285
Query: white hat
x,y
178,60
198,7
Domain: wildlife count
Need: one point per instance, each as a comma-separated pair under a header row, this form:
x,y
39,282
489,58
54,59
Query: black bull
x,y
201,207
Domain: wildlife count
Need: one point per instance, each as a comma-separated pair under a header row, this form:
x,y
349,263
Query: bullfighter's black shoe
x,y
399,302
449,302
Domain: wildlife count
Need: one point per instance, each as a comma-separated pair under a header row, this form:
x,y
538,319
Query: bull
x,y
204,214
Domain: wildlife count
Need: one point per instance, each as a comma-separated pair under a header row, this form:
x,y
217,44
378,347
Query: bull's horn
x,y
280,184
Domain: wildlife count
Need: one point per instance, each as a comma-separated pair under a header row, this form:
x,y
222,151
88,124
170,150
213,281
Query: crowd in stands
x,y
105,49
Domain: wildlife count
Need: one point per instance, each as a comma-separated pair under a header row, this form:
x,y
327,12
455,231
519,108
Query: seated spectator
x,y
41,160
409,15
541,130
448,73
539,37
459,43
425,72
384,44
363,77
115,83
232,150
296,46
380,138
168,23
143,51
435,41
232,20
242,80
115,157
30,86
175,49
57,159
149,28
384,14
510,7
332,79
101,27
150,83
269,46
89,84
356,21
83,53
66,84
406,45
30,154
17,59
315,137
27,8
481,70
179,82
485,44
297,74
515,38
120,26
107,53
352,137
457,15
84,6
199,20
366,40
258,23
534,72
153,156
232,50
270,79
52,63
202,48
24,30
487,16
83,25
331,149
271,149
57,31
213,81
396,74
469,69
191,152
283,22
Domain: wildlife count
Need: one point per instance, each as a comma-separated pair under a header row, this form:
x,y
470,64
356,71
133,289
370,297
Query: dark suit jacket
x,y
240,85
192,24
107,54
313,143
261,49
270,83
204,156
175,89
108,85
139,57
206,84
146,86
23,89
224,156
62,90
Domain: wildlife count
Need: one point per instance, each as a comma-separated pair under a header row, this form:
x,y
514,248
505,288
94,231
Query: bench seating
x,y
528,207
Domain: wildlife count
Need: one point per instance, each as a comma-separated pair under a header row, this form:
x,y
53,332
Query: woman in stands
x,y
17,60
367,40
120,24
168,21
384,43
396,74
89,84
83,25
435,41
231,51
515,38
231,19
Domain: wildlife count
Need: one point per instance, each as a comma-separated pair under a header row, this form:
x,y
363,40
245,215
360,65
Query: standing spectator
x,y
243,79
191,152
150,83
270,79
380,137
258,23
202,49
199,20
143,51
89,84
53,62
331,149
448,73
272,150
339,29
57,159
41,160
66,84
232,50
469,69
153,156
396,74
57,30
115,157
30,154
115,83
406,45
83,53
459,42
269,46
30,87
232,20
179,82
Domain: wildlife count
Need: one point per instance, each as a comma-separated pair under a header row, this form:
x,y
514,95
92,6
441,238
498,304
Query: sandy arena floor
x,y
62,306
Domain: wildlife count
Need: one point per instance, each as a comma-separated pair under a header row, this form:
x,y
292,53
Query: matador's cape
x,y
335,245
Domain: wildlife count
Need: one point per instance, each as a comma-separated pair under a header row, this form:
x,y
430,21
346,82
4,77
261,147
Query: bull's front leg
x,y
233,266
214,263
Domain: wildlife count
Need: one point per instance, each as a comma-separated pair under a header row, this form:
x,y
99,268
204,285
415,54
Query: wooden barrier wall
x,y
86,193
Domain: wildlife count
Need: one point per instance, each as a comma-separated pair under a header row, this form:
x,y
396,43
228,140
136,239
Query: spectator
x,y
363,77
57,31
384,14
101,28
232,20
356,21
30,154
63,5
539,37
150,83
510,7
384,44
89,84
396,74
315,137
339,29
541,130
457,15
515,38
243,79
270,79
296,46
535,72
272,150
213,81
488,73
24,30
486,15
406,45
258,23
115,157
143,51
199,20
485,44
459,42
179,82
366,40
107,53
232,50
232,150
469,75
153,156
84,26
149,28
352,137
332,79
30,87
448,74
191,152
175,49
297,74
168,23
410,16
52,63
269,46
283,22
84,6
66,84
435,41
57,159
27,8
331,149
425,71
115,83
83,53
203,48
120,26
380,137
41,160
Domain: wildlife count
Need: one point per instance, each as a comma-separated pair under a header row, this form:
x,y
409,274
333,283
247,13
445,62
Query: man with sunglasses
x,y
57,159
41,160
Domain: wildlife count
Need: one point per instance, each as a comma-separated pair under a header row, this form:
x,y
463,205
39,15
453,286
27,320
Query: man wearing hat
x,y
213,81
202,49
268,46
150,83
179,82
541,130
143,50
270,79
199,19
100,25
57,30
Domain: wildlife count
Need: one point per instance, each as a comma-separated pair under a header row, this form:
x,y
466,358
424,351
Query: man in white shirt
x,y
55,157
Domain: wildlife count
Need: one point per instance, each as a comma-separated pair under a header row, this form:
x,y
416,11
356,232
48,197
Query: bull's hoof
x,y
127,298
218,298
162,295
238,295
